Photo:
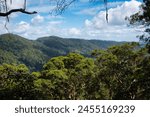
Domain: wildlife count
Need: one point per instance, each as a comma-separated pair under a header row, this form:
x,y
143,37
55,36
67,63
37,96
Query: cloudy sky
x,y
82,19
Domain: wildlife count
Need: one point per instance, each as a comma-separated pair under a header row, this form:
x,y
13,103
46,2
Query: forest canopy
x,y
120,72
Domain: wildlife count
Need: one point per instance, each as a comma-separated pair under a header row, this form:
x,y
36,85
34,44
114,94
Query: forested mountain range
x,y
48,68
34,53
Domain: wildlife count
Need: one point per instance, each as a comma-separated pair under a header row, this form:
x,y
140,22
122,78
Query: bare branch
x,y
62,5
5,11
17,10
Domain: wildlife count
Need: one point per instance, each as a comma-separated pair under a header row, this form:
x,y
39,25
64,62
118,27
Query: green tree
x,y
118,70
69,76
53,79
142,83
16,82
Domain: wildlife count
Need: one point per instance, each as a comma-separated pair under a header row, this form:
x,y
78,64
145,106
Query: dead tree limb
x,y
16,10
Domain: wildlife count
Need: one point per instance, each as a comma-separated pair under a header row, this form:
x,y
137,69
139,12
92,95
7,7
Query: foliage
x,y
119,69
15,82
143,18
18,50
119,72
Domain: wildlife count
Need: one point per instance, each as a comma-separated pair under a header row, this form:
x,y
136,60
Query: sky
x,y
83,19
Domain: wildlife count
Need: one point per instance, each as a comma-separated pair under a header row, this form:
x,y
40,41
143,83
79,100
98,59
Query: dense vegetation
x,y
119,72
16,49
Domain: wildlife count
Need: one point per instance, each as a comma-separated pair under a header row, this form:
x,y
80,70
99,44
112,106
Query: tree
x,y
53,79
120,72
16,82
143,18
69,77
123,70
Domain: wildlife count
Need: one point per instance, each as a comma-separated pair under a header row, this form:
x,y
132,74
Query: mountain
x,y
16,49
66,45
34,53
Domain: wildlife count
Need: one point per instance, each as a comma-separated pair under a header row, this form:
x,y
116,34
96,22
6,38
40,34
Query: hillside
x,y
16,49
66,45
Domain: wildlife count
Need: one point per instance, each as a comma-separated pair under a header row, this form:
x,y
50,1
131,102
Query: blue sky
x,y
81,20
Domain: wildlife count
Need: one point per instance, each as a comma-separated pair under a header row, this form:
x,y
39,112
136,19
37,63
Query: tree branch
x,y
16,10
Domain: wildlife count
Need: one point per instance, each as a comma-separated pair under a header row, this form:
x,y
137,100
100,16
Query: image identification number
x,y
106,109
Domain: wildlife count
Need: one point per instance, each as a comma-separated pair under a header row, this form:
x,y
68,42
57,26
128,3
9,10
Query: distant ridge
x,y
34,53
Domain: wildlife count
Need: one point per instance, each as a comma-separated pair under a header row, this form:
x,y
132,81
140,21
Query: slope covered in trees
x,y
119,72
16,49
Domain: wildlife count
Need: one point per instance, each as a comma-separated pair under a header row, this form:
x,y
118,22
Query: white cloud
x,y
37,19
55,22
22,27
117,26
32,31
2,26
53,17
74,31
116,16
